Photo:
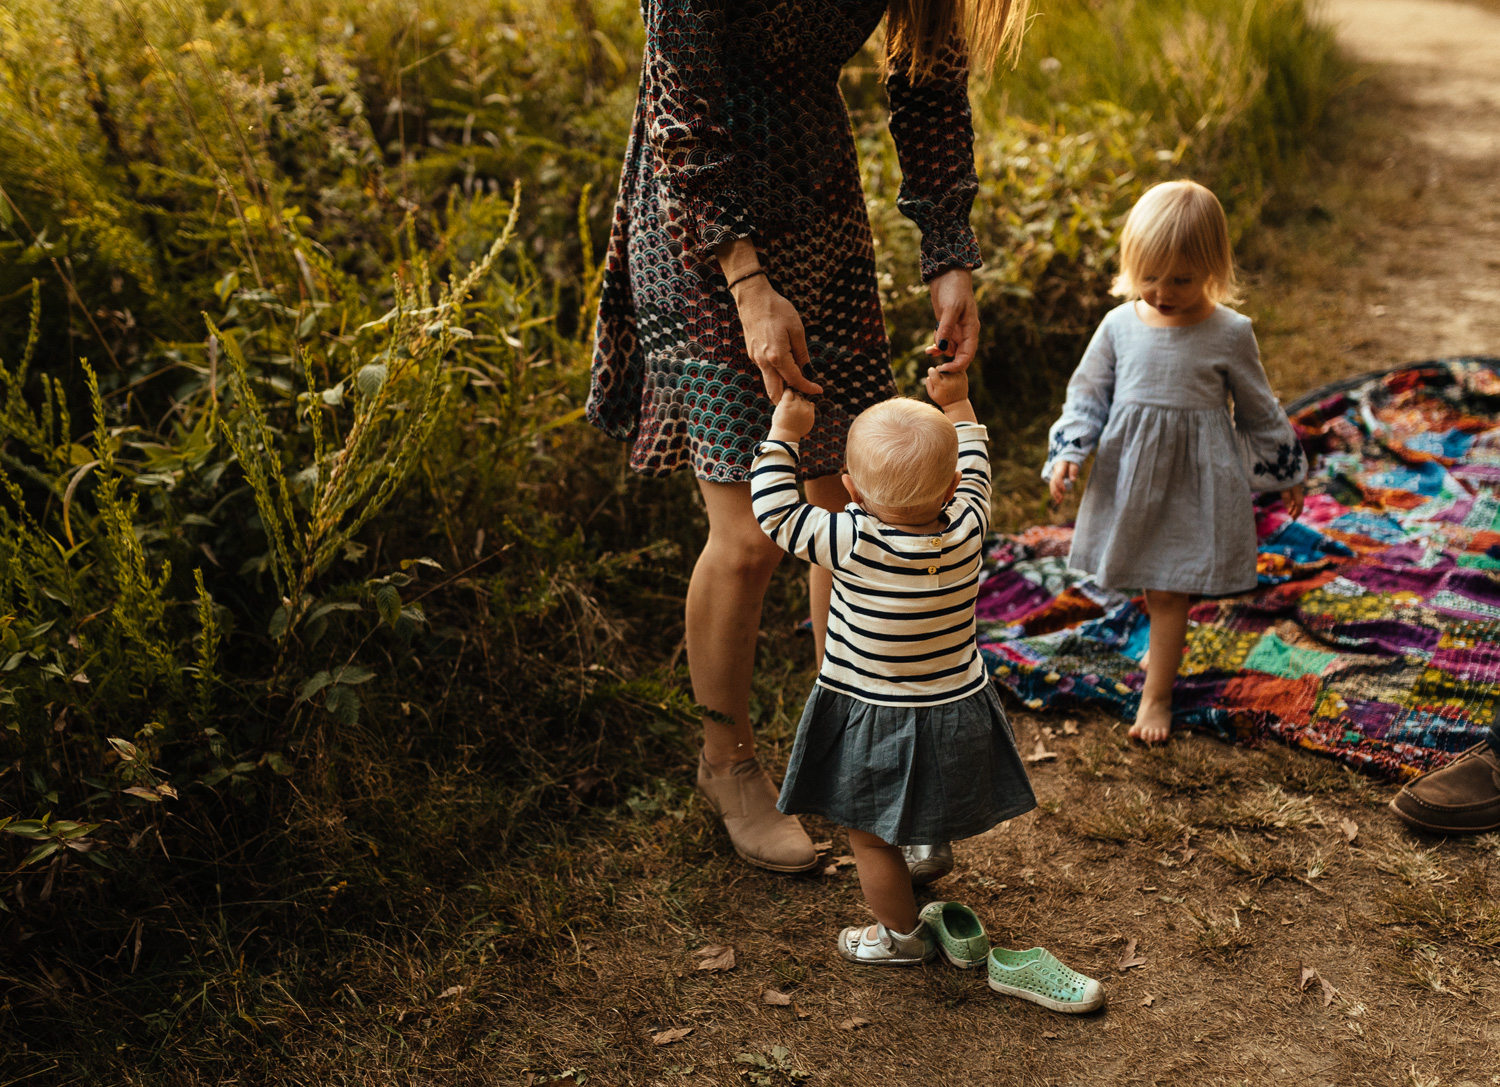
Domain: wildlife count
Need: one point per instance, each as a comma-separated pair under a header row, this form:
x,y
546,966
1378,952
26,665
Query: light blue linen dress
x,y
1187,428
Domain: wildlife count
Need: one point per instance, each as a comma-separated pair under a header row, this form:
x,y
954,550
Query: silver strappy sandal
x,y
887,948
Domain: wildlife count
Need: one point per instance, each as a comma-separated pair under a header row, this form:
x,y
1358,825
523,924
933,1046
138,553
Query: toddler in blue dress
x,y
1172,394
903,740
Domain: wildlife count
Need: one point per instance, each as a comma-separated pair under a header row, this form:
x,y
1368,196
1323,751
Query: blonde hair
x,y
902,454
1177,221
918,31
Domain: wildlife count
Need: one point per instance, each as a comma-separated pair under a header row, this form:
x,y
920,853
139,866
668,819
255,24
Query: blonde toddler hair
x,y
902,454
1177,221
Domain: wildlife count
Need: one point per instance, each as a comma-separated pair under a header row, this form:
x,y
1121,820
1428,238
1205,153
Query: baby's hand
x,y
947,386
1064,476
793,417
1292,499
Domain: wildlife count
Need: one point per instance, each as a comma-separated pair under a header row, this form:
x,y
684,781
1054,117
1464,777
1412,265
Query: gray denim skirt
x,y
910,775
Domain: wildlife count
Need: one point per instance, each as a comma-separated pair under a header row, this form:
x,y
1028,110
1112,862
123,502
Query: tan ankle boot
x,y
746,800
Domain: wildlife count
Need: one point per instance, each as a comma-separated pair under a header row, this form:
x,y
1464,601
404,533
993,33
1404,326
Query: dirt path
x,y
1409,267
1232,870
1439,276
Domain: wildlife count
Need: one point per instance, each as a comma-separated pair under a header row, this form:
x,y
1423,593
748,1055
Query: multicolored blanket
x,y
1374,635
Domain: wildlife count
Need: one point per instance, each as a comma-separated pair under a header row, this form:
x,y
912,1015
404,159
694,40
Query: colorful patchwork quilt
x,y
1374,634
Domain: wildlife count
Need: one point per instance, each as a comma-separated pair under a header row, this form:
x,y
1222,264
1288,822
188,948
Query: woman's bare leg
x,y
1169,613
724,602
828,492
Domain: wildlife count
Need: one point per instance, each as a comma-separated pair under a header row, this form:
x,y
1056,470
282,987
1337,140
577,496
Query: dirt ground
x,y
1233,871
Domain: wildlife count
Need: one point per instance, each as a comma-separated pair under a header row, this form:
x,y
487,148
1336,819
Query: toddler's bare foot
x,y
1153,722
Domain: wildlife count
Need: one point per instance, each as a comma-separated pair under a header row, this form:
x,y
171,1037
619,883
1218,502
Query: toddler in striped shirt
x,y
903,740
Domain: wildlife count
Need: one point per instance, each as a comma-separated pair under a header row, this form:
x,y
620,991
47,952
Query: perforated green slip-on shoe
x,y
960,936
1037,976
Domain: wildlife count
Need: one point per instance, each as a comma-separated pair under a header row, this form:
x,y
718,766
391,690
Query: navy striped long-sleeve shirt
x,y
901,623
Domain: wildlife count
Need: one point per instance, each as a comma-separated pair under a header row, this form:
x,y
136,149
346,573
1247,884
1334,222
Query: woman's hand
x,y
1064,477
957,319
774,338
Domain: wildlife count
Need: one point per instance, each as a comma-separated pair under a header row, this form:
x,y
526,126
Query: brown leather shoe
x,y
1461,798
745,799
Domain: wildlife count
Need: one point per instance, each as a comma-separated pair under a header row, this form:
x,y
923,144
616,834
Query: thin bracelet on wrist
x,y
749,275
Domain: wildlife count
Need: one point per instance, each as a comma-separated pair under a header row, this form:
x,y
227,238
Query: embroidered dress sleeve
x,y
810,532
974,471
933,129
1269,447
1091,392
684,97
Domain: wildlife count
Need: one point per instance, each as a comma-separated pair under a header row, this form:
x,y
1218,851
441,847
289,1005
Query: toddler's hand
x,y
793,417
1292,499
1064,476
947,386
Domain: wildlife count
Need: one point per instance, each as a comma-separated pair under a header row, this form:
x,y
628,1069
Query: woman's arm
x,y
774,336
932,127
683,93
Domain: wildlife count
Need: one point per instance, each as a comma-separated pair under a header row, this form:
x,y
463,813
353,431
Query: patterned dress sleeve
x,y
974,471
684,98
933,129
810,532
1269,447
1091,392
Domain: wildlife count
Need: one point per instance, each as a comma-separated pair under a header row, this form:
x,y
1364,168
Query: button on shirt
x,y
901,621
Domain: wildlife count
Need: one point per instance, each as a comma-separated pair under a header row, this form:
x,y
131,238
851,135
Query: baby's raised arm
x,y
798,527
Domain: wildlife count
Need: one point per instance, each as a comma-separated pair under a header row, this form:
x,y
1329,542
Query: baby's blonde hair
x,y
902,454
1177,221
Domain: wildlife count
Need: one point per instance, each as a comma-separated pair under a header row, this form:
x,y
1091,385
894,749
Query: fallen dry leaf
x,y
771,996
1070,727
1147,1000
854,1022
800,1012
824,846
1048,1034
1329,992
831,870
1350,829
1049,733
1129,958
452,991
845,861
667,1037
715,957
1041,754
1308,973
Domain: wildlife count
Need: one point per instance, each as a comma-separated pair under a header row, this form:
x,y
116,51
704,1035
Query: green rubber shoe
x,y
960,936
1037,976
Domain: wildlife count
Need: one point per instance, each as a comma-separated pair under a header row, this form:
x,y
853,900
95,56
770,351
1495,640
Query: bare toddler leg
x,y
884,878
1169,611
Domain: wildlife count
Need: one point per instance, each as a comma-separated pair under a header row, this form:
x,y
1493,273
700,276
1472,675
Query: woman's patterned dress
x,y
741,132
